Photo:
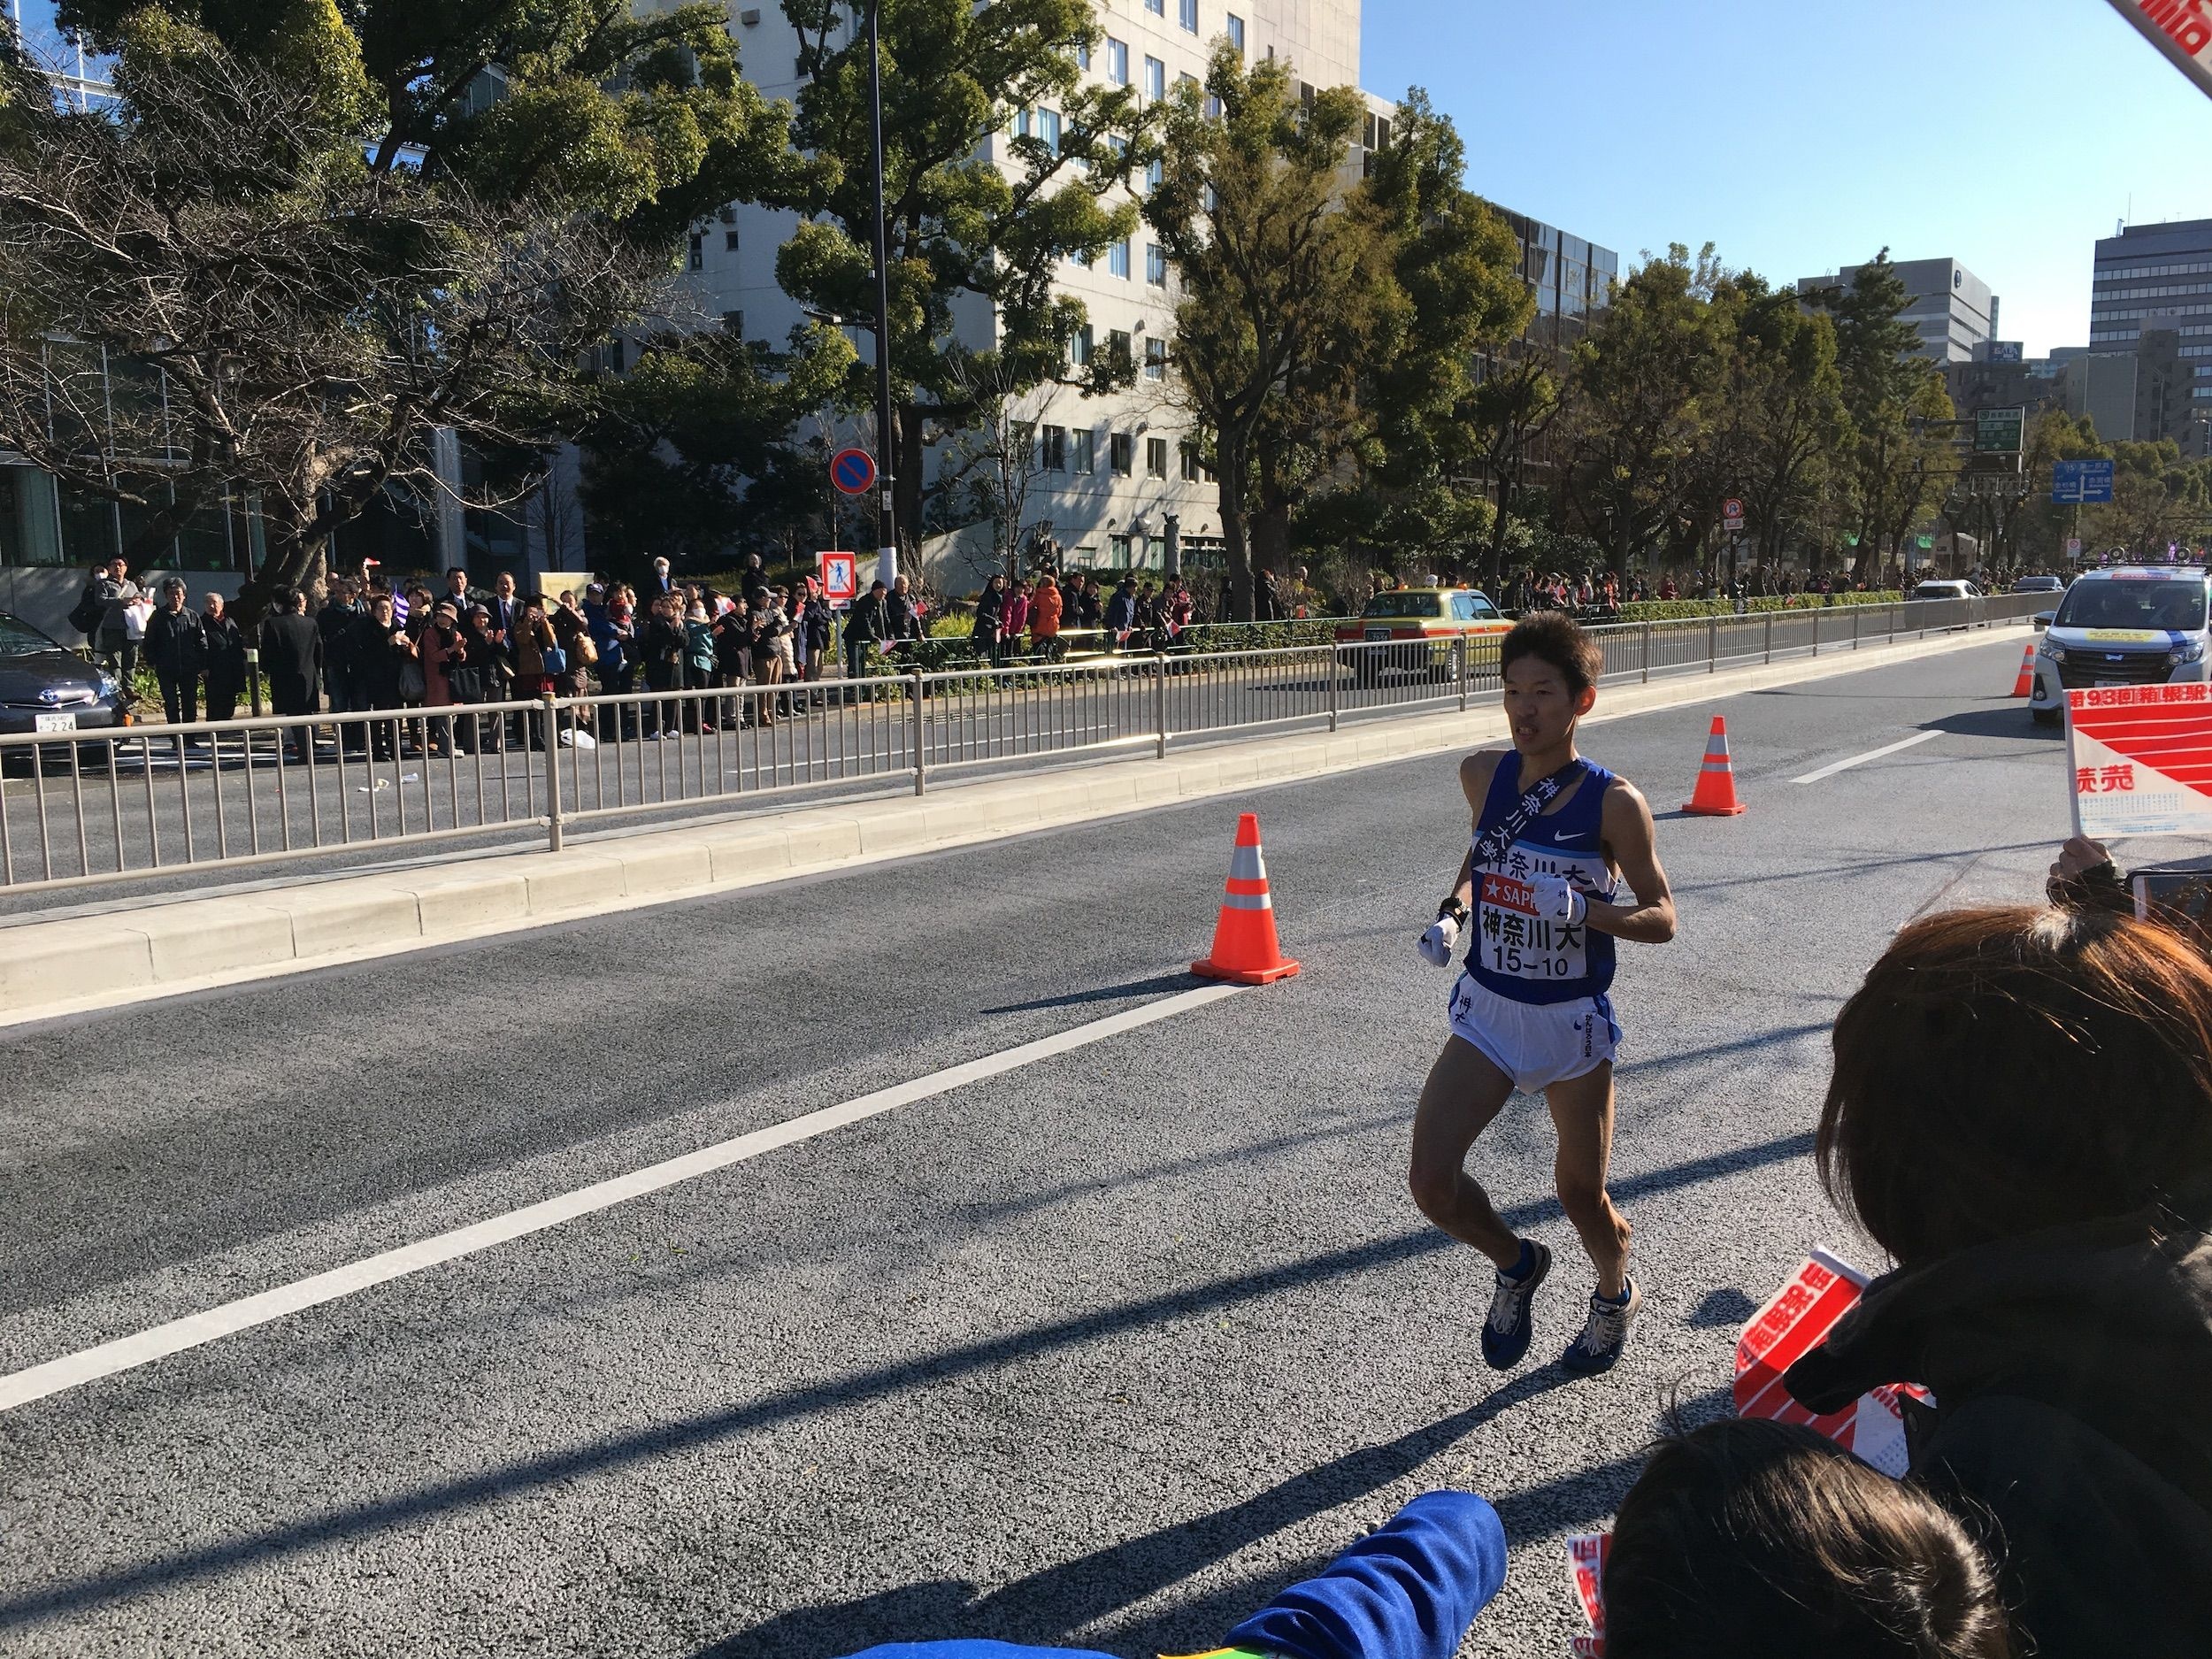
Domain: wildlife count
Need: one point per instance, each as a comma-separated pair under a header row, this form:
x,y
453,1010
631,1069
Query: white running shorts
x,y
1536,1044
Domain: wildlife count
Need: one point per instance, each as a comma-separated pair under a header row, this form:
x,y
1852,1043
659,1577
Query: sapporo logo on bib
x,y
1516,942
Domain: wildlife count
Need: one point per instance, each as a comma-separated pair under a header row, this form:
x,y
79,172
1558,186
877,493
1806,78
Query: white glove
x,y
1436,944
1558,899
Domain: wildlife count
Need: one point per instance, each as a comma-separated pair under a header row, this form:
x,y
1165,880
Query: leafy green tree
x,y
1439,285
1783,402
964,232
1646,379
670,447
637,114
1900,462
1506,419
1250,211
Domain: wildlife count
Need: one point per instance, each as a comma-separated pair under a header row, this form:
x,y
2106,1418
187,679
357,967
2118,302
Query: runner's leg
x,y
1465,1091
1582,1109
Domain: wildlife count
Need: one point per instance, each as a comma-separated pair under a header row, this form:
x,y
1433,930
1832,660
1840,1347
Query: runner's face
x,y
1539,709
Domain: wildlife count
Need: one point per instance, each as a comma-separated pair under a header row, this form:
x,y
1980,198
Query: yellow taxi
x,y
1434,615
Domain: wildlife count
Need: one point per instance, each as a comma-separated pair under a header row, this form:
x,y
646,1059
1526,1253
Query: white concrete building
x,y
1118,472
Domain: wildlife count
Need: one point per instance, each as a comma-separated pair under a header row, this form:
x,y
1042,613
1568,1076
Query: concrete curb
x,y
74,966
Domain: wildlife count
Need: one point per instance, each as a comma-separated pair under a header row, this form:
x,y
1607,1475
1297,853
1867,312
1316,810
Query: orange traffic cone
x,y
1715,796
2024,686
1245,947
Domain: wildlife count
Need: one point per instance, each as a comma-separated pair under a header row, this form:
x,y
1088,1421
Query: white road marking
x,y
127,1353
1861,760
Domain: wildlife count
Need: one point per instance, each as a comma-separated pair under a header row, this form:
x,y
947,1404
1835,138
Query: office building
x,y
1950,308
2158,276
1572,278
2139,391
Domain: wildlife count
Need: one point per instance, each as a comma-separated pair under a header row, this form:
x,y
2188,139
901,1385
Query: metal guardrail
x,y
90,807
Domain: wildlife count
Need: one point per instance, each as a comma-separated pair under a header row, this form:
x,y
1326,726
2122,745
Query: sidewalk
x,y
53,969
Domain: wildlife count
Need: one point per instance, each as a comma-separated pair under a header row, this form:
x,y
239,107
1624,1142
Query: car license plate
x,y
1379,633
53,722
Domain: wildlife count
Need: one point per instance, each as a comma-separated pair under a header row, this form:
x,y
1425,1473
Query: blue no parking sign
x,y
853,471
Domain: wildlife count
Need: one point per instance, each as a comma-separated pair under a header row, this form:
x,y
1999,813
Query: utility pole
x,y
887,523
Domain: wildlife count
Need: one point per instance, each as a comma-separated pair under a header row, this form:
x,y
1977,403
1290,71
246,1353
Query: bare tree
x,y
997,462
206,289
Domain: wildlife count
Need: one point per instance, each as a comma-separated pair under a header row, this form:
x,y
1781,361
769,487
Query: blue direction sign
x,y
2081,480
853,471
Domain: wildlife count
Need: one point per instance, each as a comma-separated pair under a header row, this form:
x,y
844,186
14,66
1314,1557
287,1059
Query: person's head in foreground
x,y
2001,1071
1551,669
1764,1540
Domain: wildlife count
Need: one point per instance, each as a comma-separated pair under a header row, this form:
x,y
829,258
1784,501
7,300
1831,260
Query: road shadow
x,y
1158,985
1721,1310
638,1447
2011,721
1049,1605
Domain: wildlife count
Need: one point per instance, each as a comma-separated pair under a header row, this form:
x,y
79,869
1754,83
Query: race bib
x,y
1516,942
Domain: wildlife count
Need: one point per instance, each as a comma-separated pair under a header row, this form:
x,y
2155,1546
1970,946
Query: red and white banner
x,y
2182,29
1585,1568
1794,1323
2140,759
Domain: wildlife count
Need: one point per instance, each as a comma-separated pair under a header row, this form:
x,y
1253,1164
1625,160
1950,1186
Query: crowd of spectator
x,y
368,646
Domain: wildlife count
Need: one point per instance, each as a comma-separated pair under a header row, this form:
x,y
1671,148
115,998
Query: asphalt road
x,y
1100,1351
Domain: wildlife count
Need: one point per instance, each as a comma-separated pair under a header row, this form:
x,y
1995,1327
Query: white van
x,y
2142,626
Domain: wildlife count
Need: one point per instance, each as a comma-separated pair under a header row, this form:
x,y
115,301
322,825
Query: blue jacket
x,y
1407,1591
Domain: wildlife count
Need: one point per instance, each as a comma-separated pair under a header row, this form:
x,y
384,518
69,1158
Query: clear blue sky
x,y
1800,138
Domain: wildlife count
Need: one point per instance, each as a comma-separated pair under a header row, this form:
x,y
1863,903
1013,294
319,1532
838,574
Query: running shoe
x,y
1603,1336
1506,1333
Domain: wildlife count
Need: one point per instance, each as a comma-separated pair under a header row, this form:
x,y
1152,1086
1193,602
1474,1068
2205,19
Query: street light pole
x,y
887,525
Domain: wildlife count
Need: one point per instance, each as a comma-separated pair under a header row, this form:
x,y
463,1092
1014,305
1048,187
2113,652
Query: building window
x,y
1155,174
1118,552
1118,348
1121,453
1184,81
733,324
1082,54
1186,14
1079,347
1156,458
1085,457
1213,112
1154,80
1155,265
1233,25
1118,258
1052,449
1156,553
698,259
1116,61
1157,8
1155,359
1048,129
729,241
1187,453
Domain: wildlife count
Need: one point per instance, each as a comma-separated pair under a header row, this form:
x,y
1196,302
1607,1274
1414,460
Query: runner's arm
x,y
1632,842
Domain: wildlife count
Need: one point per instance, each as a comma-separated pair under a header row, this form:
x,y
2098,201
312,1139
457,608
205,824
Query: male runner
x,y
1555,840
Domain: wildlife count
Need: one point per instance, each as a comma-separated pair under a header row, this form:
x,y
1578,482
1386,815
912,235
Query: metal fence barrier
x,y
98,806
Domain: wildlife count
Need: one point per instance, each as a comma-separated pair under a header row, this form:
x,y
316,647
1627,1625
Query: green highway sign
x,y
2000,431
1926,542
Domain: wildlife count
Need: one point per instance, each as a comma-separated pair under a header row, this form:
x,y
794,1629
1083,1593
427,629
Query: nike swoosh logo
x,y
1569,836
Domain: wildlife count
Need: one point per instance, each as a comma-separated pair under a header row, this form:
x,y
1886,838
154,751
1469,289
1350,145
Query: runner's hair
x,y
2003,1070
1752,1538
1553,637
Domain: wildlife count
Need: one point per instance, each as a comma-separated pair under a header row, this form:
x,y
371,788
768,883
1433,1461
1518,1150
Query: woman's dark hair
x,y
1552,636
1763,1540
2004,1070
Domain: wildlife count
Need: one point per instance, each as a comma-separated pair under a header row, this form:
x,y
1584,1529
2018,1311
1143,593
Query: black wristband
x,y
1453,908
